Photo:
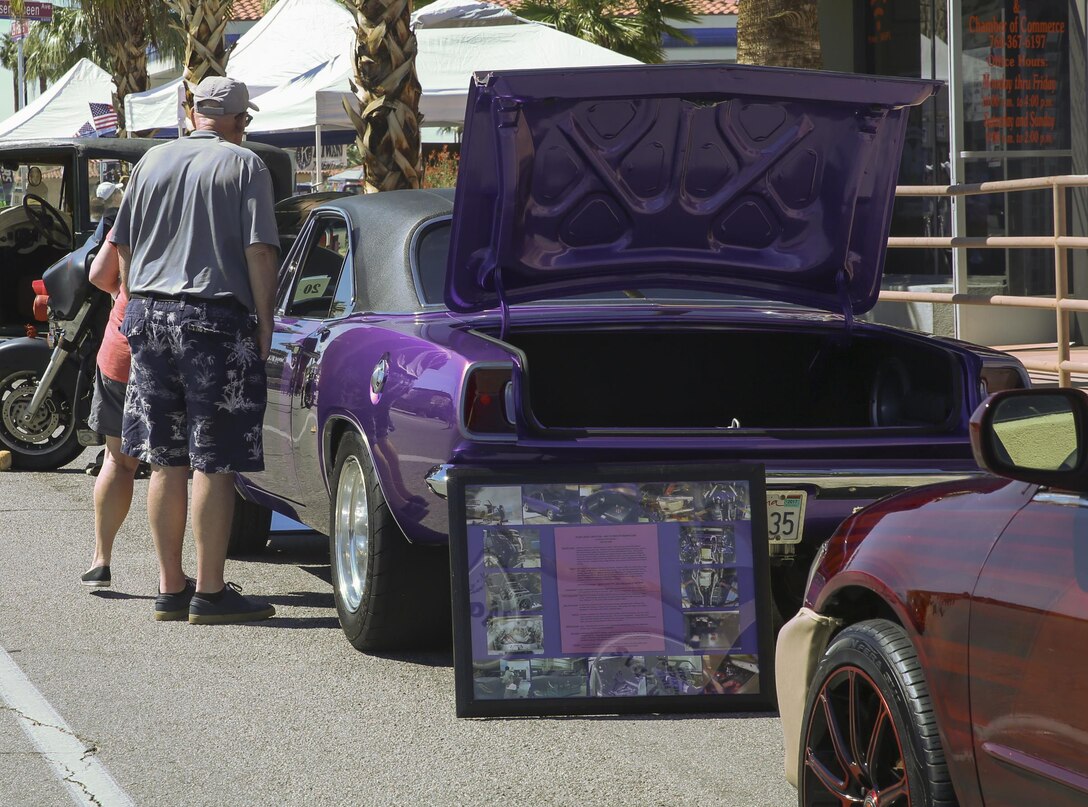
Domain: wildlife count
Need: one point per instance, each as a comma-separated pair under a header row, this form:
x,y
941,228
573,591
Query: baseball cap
x,y
220,95
106,189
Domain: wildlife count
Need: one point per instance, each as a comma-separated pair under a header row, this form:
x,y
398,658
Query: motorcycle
x,y
46,384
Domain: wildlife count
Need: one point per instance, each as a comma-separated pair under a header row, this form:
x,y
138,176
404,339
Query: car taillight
x,y
487,401
41,301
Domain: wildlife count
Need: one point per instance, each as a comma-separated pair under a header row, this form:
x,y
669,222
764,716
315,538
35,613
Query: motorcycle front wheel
x,y
48,440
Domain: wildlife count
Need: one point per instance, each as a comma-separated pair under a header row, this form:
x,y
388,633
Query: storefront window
x,y
908,39
1016,116
1016,119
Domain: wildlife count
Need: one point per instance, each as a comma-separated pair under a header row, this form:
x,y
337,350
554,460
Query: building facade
x,y
1018,70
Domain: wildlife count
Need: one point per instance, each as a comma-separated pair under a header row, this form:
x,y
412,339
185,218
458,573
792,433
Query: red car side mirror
x,y
1038,436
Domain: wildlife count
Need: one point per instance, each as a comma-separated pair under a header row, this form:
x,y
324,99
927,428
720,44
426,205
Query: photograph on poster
x,y
558,677
725,501
674,675
708,588
708,545
695,501
494,505
610,504
731,675
515,634
668,501
712,630
506,678
617,676
512,547
511,592
543,504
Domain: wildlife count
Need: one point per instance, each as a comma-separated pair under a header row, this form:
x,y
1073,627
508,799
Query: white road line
x,y
87,779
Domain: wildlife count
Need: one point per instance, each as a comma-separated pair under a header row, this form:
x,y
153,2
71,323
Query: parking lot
x,y
286,712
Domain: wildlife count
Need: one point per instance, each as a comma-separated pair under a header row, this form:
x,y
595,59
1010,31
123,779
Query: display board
x,y
611,590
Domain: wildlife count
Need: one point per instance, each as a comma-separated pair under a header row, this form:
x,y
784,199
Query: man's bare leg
x,y
112,498
213,510
167,503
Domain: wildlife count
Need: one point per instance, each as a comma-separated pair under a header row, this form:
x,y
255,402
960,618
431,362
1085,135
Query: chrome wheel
x,y
50,427
352,535
853,753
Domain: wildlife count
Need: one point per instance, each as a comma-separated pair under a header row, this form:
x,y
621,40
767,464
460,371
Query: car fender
x,y
353,362
334,425
915,558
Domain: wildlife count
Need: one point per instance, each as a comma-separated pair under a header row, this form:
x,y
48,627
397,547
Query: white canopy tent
x,y
63,109
456,38
293,37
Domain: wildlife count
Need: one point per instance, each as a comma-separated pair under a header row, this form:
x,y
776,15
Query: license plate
x,y
785,516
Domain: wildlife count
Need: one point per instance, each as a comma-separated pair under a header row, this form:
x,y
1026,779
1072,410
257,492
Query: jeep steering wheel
x,y
48,221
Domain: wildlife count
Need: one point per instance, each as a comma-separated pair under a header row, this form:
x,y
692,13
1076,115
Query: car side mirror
x,y
1038,436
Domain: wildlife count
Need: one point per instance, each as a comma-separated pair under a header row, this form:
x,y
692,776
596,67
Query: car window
x,y
321,288
432,250
106,180
43,180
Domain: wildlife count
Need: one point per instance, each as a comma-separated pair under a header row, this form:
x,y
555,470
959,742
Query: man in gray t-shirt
x,y
197,242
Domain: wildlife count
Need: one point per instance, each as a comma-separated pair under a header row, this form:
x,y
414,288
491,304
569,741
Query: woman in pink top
x,y
113,488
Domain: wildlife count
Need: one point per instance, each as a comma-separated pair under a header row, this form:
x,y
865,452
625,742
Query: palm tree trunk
x,y
205,24
129,67
783,33
387,90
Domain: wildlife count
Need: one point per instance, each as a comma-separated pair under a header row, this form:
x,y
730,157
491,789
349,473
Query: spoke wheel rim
x,y
853,751
49,427
352,535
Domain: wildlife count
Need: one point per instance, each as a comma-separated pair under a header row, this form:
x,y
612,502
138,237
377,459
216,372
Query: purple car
x,y
555,504
649,264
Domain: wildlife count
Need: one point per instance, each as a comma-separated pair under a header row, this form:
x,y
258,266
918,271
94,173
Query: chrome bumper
x,y
855,484
801,644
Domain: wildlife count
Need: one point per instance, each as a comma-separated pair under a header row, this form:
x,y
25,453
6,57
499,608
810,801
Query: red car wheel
x,y
870,735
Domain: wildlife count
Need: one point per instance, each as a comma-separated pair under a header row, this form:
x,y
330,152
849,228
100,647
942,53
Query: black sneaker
x,y
98,577
227,606
175,607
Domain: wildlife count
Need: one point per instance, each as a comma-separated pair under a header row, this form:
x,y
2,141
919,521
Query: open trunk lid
x,y
763,182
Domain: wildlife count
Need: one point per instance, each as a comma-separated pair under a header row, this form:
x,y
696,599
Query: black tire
x,y
390,594
249,529
874,666
50,440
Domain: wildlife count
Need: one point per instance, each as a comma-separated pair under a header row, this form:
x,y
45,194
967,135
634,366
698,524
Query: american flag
x,y
104,118
86,130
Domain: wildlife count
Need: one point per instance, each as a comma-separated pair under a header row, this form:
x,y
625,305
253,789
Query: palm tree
x,y
124,29
387,92
52,49
205,25
632,28
785,33
9,59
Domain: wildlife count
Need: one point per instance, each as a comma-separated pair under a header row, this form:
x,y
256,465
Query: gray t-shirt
x,y
192,207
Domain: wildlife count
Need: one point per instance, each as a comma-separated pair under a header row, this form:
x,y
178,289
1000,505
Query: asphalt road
x,y
286,712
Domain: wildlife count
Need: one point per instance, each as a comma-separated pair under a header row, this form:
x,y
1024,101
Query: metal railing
x,y
1060,242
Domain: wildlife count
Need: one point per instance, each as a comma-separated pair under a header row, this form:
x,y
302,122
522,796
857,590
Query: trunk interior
x,y
714,379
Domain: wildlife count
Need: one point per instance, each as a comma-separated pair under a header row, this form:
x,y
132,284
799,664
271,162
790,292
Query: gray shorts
x,y
107,405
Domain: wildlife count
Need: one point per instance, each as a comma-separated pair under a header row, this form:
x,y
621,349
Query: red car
x,y
941,656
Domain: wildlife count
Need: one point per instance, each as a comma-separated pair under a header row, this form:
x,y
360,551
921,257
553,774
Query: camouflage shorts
x,y
196,394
